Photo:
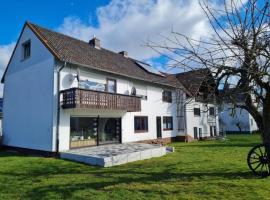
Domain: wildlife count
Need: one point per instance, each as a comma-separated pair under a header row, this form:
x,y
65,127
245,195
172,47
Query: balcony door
x,y
93,131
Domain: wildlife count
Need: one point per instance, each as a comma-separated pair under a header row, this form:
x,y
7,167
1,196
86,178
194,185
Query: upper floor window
x,y
91,85
197,111
111,85
212,111
141,124
167,96
26,48
167,123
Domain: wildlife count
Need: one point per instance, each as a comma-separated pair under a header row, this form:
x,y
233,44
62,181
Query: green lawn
x,y
199,170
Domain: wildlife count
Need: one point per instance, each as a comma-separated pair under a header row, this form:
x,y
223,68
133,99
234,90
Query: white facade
x,y
236,120
151,107
28,100
31,102
202,122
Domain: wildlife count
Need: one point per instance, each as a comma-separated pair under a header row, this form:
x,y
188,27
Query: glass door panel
x,y
109,130
83,132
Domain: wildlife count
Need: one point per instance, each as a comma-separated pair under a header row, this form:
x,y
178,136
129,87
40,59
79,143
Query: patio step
x,y
111,155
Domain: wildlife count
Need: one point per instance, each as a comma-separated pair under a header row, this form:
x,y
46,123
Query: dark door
x,y
211,131
200,133
195,133
159,133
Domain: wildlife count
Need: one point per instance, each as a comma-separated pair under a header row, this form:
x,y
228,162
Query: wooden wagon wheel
x,y
257,160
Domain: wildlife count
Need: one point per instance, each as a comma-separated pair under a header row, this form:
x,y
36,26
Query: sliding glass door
x,y
83,132
109,130
93,131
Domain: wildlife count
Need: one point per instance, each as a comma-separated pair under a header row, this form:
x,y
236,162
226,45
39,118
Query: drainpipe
x,y
58,107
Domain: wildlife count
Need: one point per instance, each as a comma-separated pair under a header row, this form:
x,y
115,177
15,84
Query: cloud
x,y
128,25
5,53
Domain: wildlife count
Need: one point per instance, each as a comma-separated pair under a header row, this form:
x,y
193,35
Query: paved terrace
x,y
114,154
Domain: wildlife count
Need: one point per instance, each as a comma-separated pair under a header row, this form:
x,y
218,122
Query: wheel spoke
x,y
256,153
267,167
257,166
261,151
265,152
262,169
254,162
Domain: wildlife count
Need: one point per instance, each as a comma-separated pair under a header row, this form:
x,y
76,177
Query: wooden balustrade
x,y
82,98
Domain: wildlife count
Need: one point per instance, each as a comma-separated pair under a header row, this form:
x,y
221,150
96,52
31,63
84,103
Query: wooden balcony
x,y
82,98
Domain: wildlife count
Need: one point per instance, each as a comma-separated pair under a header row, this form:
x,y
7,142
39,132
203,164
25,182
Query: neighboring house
x,y
235,120
1,115
201,110
62,93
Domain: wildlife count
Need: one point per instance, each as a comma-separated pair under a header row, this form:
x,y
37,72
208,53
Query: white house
x,y
236,120
201,111
62,93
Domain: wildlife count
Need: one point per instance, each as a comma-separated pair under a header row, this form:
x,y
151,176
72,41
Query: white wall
x,y
152,107
229,121
28,101
201,121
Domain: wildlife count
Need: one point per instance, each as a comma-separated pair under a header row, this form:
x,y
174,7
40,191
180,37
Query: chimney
x,y
95,42
124,53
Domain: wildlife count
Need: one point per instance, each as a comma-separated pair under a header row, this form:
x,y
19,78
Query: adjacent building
x,y
234,120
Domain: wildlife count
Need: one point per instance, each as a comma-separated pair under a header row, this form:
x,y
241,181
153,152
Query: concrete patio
x,y
114,154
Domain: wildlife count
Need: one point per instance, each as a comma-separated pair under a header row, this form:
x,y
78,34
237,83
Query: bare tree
x,y
237,52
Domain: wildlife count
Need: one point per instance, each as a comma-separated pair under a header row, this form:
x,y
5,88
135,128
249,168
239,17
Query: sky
x,y
119,24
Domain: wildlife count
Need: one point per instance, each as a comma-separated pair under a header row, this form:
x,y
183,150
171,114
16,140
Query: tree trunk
x,y
266,126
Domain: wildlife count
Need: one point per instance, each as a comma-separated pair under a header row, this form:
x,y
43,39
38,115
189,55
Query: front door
x,y
195,130
159,133
211,131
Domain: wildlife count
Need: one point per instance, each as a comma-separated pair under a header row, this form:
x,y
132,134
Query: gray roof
x,y
193,80
71,50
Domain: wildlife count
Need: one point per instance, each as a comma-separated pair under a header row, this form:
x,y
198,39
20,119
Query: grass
x,y
199,170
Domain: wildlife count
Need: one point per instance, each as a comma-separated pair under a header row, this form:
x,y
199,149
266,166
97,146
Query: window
x,y
197,112
251,122
90,85
167,123
212,111
140,124
167,96
26,49
111,85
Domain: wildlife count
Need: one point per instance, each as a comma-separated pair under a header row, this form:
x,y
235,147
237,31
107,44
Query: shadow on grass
x,y
222,144
69,178
130,177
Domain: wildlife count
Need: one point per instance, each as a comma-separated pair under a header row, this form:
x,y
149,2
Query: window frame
x,y
166,122
213,110
195,114
115,85
167,98
24,44
141,130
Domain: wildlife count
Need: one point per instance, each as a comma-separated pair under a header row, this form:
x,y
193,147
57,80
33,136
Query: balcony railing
x,y
82,98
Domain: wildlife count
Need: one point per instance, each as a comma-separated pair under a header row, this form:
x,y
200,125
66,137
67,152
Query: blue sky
x,y
13,14
119,24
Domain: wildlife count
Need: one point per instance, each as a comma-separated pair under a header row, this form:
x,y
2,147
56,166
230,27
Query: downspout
x,y
58,106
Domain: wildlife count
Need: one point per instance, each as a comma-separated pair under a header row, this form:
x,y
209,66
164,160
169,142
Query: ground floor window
x,y
167,123
92,131
140,124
